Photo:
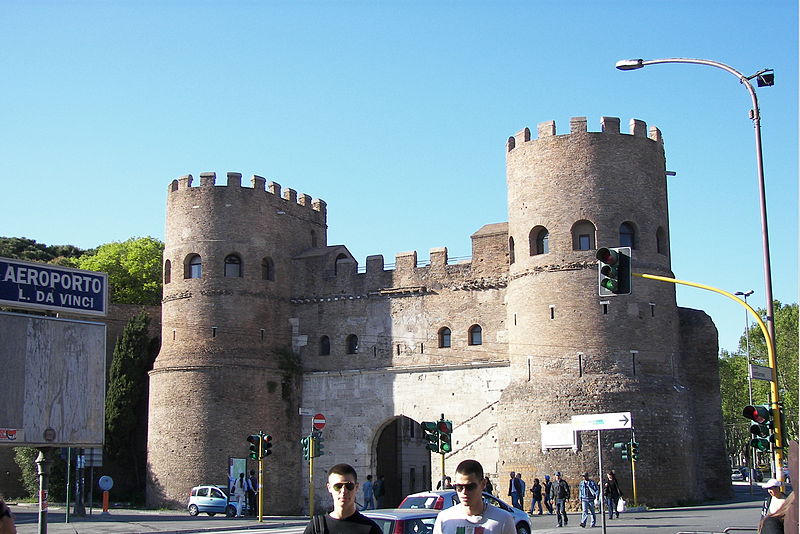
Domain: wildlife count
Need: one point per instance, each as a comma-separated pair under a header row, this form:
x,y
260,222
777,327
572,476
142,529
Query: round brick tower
x,y
224,370
573,352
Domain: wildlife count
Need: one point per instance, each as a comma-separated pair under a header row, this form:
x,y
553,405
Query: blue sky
x,y
396,114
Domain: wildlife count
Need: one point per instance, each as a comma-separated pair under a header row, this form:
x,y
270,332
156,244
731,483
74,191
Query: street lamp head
x,y
630,64
745,294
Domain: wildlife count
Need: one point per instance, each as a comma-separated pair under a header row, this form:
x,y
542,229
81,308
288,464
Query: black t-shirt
x,y
354,524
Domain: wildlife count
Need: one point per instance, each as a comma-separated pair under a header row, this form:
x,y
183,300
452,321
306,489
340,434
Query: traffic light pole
x,y
261,490
772,360
311,477
633,470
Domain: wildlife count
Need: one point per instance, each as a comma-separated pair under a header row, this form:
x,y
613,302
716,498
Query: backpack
x,y
320,526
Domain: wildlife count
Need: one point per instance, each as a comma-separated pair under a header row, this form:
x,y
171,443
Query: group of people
x,y
373,492
472,513
555,494
246,488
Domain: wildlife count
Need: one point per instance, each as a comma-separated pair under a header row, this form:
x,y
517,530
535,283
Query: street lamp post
x,y
763,78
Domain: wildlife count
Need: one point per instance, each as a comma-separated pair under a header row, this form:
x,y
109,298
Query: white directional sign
x,y
602,421
759,372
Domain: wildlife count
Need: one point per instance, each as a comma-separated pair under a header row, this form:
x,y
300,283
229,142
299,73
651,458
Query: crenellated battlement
x,y
257,184
578,125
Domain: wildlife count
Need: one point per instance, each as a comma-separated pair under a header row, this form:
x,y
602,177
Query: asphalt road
x,y
742,511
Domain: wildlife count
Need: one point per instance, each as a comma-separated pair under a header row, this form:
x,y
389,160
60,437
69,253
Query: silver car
x,y
441,499
397,521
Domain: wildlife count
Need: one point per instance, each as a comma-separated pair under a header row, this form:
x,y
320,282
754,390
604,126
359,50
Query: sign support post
x,y
600,486
598,422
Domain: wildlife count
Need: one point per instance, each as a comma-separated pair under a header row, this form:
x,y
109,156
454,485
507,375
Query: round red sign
x,y
318,421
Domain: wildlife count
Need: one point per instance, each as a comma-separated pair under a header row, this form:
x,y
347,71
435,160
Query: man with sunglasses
x,y
473,515
344,519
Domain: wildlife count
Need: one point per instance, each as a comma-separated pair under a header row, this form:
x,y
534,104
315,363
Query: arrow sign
x,y
318,422
602,421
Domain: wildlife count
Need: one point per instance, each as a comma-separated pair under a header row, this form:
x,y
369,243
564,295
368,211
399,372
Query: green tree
x,y
133,267
25,457
126,403
22,248
734,395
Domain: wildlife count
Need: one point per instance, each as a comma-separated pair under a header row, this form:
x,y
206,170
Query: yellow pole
x,y
311,448
633,474
443,474
260,490
773,363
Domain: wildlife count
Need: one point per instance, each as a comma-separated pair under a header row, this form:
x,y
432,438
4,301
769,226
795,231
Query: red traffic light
x,y
445,427
253,438
608,256
759,414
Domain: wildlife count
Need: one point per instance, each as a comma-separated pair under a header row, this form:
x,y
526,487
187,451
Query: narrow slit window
x,y
552,312
213,331
652,309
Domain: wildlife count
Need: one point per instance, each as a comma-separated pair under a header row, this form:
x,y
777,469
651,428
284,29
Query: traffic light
x,y
318,442
255,445
306,443
266,445
445,429
614,271
431,432
634,451
762,426
624,450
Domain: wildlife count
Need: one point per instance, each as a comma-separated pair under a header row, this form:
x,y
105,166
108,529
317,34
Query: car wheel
x,y
230,511
211,514
522,528
193,510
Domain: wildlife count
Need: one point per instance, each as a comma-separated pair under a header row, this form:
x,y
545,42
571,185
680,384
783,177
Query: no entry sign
x,y
318,421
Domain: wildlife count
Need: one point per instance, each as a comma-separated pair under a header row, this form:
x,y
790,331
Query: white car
x,y
441,499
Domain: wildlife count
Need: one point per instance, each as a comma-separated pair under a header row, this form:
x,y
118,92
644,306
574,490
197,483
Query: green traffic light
x,y
254,441
614,271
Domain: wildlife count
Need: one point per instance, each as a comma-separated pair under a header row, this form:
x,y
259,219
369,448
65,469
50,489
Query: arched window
x,y
475,335
233,266
539,240
167,272
267,269
511,250
444,338
352,344
324,346
340,259
661,240
627,235
193,266
583,235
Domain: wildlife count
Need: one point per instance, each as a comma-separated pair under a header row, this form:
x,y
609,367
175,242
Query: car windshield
x,y
410,526
421,501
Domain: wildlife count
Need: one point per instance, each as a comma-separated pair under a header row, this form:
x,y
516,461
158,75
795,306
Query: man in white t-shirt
x,y
473,515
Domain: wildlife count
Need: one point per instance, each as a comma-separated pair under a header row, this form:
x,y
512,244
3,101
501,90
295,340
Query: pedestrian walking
x,y
252,493
588,492
240,492
612,494
521,492
536,496
473,514
369,495
379,490
560,493
514,490
548,501
775,498
344,519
